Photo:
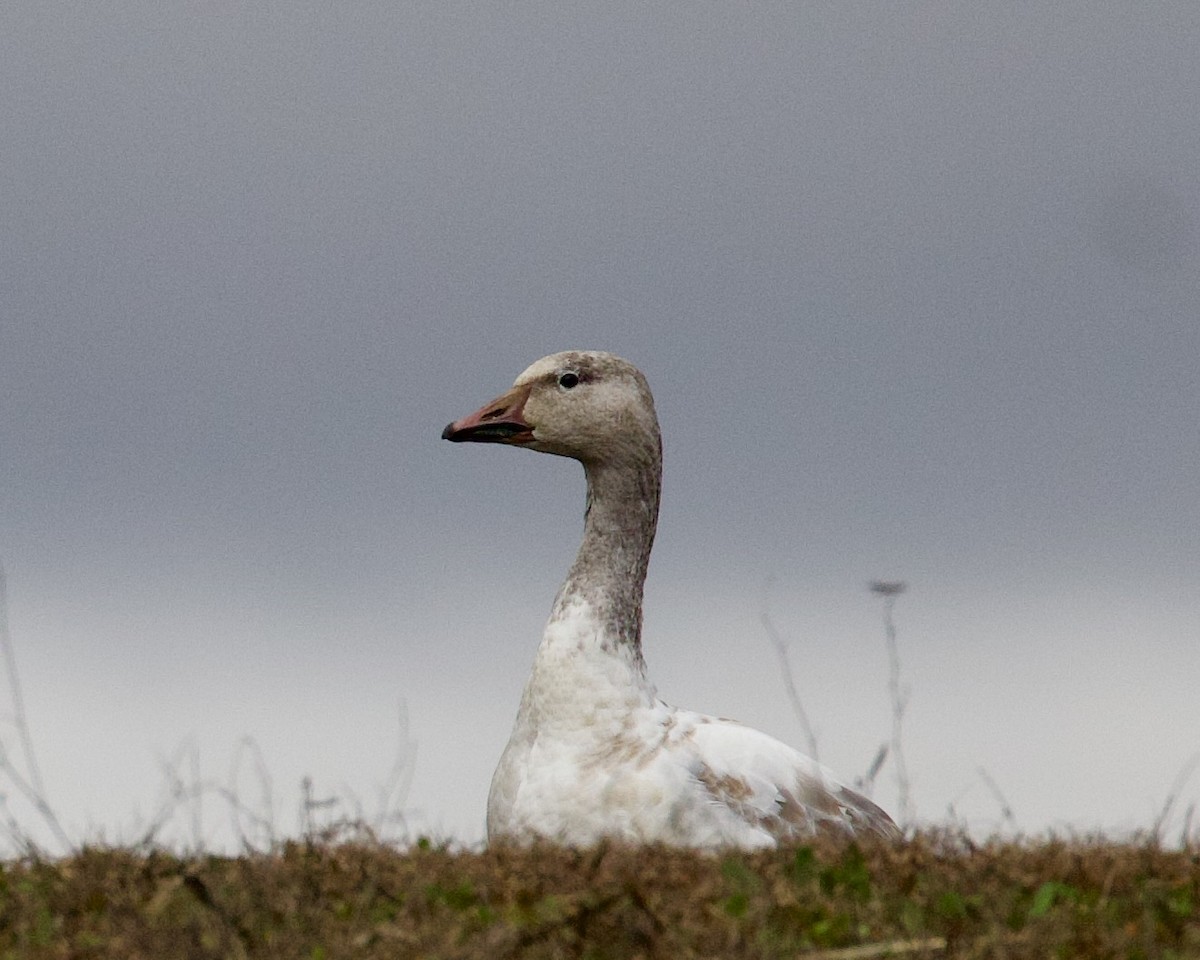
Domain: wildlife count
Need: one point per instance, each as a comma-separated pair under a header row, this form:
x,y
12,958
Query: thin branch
x,y
1185,832
32,787
35,799
1177,785
395,789
177,793
866,783
264,822
890,590
309,804
785,668
1006,810
890,948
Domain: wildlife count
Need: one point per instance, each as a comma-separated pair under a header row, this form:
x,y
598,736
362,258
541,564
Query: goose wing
x,y
774,788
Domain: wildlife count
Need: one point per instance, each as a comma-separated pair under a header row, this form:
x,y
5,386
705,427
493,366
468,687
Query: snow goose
x,y
594,752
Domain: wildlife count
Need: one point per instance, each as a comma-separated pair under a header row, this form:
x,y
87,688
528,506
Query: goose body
x,y
595,753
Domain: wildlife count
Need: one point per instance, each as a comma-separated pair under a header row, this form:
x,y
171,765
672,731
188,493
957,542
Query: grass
x,y
939,894
935,896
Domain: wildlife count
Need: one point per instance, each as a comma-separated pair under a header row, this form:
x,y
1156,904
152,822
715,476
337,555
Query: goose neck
x,y
610,569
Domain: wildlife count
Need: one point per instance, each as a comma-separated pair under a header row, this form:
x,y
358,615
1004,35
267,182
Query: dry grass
x,y
937,895
932,897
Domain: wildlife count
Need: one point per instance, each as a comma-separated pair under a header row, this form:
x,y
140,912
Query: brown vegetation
x,y
935,896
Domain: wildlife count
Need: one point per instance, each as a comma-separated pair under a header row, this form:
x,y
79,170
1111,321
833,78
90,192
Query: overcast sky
x,y
916,285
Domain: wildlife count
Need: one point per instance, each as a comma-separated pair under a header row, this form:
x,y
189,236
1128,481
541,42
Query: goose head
x,y
585,404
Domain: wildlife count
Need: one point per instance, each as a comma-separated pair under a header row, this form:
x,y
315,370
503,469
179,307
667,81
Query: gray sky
x,y
917,287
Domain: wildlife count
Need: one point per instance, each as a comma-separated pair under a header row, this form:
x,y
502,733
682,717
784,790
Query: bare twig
x,y
31,787
1177,785
197,805
263,822
890,590
1006,810
344,813
180,792
310,804
785,667
253,822
1185,832
866,783
395,789
250,826
890,948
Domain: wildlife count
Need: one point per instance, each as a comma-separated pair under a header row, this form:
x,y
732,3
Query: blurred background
x,y
917,287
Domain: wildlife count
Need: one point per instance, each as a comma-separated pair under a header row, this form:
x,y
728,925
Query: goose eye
x,y
568,380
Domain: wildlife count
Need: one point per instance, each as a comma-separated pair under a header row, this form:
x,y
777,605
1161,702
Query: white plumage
x,y
594,752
